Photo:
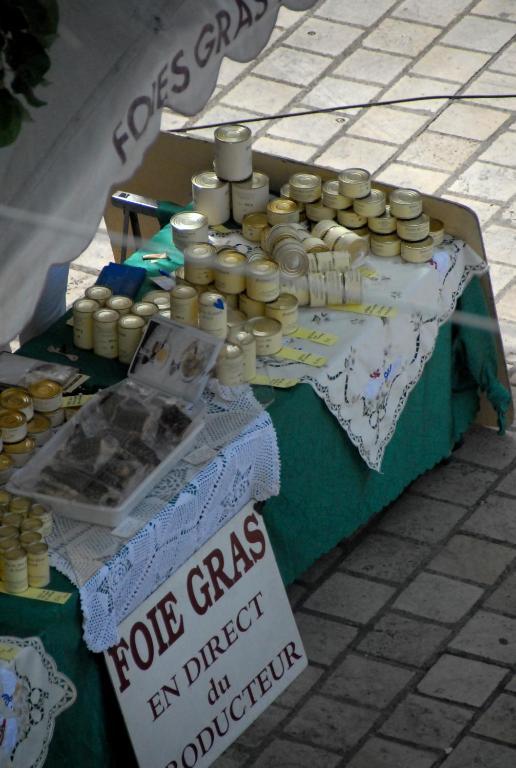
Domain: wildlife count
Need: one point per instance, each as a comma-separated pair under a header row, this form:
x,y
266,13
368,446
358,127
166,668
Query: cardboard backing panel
x,y
170,162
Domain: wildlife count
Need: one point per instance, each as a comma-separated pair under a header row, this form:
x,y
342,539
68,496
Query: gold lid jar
x,y
20,452
121,304
436,231
250,307
414,229
267,333
285,310
385,245
213,314
283,211
354,182
98,293
188,227
17,399
319,212
417,252
262,280
211,197
350,219
199,263
332,198
233,157
47,395
372,204
184,304
385,224
253,224
129,330
405,203
27,538
229,271
20,504
13,427
305,187
230,365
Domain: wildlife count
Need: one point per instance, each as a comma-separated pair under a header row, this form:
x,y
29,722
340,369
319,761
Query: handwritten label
x,y
375,310
328,339
279,383
46,595
302,357
75,401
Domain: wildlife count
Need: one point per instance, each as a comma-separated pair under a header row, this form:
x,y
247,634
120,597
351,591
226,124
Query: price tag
x,y
8,652
302,357
375,310
368,272
46,595
221,229
75,401
328,339
279,383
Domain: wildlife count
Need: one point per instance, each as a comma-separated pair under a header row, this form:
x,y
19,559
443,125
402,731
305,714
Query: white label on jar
x,y
213,320
263,288
128,340
198,275
317,288
14,434
83,330
105,342
248,200
15,574
230,372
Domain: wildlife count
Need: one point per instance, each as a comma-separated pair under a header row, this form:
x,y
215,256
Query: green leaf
x,y
11,111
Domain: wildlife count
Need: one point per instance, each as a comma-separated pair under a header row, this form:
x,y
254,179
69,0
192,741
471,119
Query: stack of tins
x,y
24,527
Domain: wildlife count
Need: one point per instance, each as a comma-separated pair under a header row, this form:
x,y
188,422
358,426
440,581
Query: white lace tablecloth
x,y
116,570
376,361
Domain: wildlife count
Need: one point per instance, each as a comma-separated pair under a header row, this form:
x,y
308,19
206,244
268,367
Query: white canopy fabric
x,y
114,66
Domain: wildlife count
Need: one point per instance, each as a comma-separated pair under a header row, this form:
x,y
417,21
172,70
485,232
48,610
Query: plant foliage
x,y
27,29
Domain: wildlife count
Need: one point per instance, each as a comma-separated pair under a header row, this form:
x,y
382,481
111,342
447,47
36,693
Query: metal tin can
x,y
305,187
353,244
129,331
385,245
249,196
283,211
247,344
405,203
385,224
292,259
332,198
98,293
13,427
314,245
250,307
285,191
267,333
280,232
83,310
160,298
6,467
213,314
262,280
231,300
417,252
47,395
334,287
233,157
5,498
15,571
184,304
414,229
371,205
319,212
17,399
20,504
31,524
38,566
20,452
9,532
211,197
298,287
284,309
6,545
253,225
323,227
332,235
121,304
13,519
350,219
353,287
188,227
45,515
354,182
56,417
317,288
30,537
436,231
320,262
105,336
229,271
230,365
145,309
39,429
199,262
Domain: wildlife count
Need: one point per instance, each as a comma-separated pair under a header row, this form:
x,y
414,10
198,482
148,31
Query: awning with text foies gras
x,y
115,64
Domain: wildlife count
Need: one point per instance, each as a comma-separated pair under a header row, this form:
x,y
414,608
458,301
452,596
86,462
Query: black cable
x,y
342,108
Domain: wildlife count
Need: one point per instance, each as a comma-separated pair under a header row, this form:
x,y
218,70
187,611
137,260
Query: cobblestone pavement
x,y
423,674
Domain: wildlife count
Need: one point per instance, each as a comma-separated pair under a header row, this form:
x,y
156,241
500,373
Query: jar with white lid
x,y
233,155
211,197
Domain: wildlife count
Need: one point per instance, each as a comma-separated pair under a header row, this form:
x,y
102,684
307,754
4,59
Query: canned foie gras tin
x,y
298,287
418,252
332,235
230,299
292,259
436,231
30,537
314,245
38,566
105,336
98,293
334,287
39,428
213,314
414,229
267,333
285,191
354,182
230,271
188,227
405,203
160,298
280,232
130,330
10,532
56,417
250,307
249,196
323,227
145,309
6,467
13,518
350,219
285,310
83,310
233,157
15,571
6,545
319,212
283,211
20,452
317,288
31,524
47,395
211,197
199,263
371,205
262,280
20,505
321,262
184,304
13,427
230,365
353,287
121,304
236,321
384,224
247,343
45,515
353,244
385,245
332,198
305,187
253,226
17,399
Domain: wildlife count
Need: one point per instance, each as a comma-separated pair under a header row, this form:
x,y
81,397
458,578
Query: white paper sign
x,y
207,652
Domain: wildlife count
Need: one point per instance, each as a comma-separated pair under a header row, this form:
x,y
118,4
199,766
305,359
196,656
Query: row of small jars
x,y
24,527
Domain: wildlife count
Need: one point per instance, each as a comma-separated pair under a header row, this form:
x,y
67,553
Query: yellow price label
x,y
328,339
46,595
8,652
221,229
368,272
302,357
75,401
374,310
279,383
